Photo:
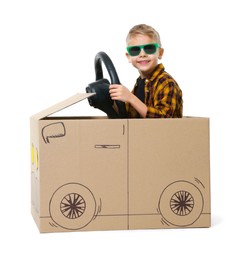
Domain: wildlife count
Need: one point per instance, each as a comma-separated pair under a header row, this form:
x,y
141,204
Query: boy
x,y
156,94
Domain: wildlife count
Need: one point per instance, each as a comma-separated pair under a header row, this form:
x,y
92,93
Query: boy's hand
x,y
119,92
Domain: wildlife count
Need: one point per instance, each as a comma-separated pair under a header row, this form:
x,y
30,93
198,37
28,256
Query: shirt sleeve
x,y
164,102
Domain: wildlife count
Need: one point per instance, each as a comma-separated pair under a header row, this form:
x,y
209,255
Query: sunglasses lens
x,y
150,48
134,51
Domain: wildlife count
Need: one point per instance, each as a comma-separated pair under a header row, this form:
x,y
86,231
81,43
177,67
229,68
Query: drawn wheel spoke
x,y
182,203
73,206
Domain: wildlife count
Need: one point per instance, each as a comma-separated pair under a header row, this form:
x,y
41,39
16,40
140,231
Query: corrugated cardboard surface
x,y
169,173
101,174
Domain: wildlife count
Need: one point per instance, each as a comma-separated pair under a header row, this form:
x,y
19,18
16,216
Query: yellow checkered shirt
x,y
163,96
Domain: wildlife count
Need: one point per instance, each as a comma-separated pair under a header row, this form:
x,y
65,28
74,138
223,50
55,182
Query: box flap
x,y
61,105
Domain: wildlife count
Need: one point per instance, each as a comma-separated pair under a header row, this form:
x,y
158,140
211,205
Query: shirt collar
x,y
157,71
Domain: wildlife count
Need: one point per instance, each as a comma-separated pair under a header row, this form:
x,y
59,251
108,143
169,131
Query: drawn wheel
x,y
72,206
181,203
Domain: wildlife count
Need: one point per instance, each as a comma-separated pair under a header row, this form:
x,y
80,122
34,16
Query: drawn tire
x,y
181,203
72,206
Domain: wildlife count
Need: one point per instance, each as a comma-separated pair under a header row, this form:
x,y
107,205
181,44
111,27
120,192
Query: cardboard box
x,y
95,173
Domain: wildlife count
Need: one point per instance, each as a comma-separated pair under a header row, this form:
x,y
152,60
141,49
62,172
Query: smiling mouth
x,y
143,62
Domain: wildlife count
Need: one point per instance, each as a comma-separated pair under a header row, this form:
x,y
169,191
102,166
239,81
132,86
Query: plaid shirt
x,y
163,97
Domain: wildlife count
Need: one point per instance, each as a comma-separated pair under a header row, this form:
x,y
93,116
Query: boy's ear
x,y
160,53
128,57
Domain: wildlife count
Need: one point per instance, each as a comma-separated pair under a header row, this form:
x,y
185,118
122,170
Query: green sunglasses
x,y
150,48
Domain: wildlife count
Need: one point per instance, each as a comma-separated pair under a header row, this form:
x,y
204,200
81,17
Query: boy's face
x,y
145,63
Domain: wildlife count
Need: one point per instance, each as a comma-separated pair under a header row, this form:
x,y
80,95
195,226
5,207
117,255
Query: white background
x,y
47,49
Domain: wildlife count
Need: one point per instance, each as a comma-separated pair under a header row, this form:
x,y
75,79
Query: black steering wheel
x,y
102,99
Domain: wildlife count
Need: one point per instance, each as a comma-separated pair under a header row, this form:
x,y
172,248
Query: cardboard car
x,y
95,173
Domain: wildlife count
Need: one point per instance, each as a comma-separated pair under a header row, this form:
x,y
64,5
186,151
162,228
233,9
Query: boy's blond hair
x,y
143,29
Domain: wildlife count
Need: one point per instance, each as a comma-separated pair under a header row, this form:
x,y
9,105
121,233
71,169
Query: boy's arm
x,y
165,101
139,106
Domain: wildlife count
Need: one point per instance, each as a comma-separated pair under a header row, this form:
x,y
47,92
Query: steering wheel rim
x,y
103,57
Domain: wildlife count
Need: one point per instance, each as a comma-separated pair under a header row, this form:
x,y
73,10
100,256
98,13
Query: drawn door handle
x,y
107,146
